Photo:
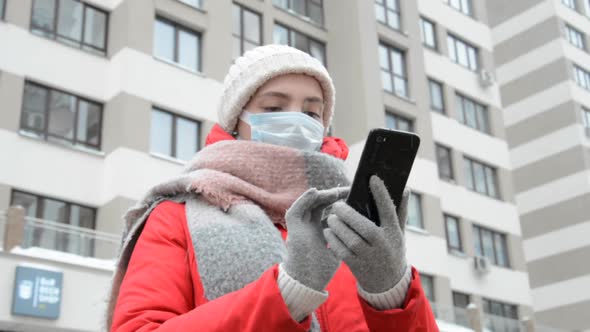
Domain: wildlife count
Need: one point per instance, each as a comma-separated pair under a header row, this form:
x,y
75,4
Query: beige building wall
x,y
129,81
549,147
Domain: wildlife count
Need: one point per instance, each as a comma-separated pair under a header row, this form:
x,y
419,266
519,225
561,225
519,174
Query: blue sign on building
x,y
37,292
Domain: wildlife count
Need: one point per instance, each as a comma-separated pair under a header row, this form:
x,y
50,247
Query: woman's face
x,y
290,92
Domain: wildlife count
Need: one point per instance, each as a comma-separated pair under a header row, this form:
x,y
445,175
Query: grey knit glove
x,y
375,255
309,260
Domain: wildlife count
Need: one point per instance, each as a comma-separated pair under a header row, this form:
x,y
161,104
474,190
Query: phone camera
x,y
381,139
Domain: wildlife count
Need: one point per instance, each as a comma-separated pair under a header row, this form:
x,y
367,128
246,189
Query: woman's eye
x,y
313,115
272,109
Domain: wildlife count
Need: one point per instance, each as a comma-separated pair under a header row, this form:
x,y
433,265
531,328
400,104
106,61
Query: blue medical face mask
x,y
292,129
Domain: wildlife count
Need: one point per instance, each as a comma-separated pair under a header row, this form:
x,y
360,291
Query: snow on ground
x,y
444,326
64,257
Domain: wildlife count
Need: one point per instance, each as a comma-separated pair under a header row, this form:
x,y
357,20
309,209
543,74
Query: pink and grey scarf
x,y
233,172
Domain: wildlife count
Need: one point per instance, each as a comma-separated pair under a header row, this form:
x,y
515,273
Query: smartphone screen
x,y
390,155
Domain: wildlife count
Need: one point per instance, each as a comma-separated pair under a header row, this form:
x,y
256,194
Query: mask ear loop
x,y
244,117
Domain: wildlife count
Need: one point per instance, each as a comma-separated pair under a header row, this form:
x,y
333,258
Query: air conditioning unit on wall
x,y
481,264
486,78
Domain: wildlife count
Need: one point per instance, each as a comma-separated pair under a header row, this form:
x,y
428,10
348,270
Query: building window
x,y
394,75
437,99
394,121
428,286
586,117
502,317
481,178
428,30
247,30
415,211
312,9
56,211
463,53
582,77
572,4
58,116
464,6
286,36
461,300
71,22
491,244
575,37
174,136
388,12
473,114
453,233
176,44
500,309
192,3
444,160
2,8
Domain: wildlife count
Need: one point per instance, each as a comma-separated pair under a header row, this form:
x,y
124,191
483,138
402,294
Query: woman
x,y
206,251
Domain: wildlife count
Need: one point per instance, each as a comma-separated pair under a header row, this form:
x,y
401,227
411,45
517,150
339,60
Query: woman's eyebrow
x,y
275,94
286,96
314,100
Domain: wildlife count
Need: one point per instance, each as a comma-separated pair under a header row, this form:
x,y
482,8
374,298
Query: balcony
x,y
83,258
454,315
471,319
52,240
502,324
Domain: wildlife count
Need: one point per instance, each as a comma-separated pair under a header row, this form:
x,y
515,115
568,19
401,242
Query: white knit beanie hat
x,y
256,66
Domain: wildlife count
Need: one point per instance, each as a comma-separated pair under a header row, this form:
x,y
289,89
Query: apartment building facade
x,y
542,66
101,99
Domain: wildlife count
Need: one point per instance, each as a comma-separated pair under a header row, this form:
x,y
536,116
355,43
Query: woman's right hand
x,y
309,260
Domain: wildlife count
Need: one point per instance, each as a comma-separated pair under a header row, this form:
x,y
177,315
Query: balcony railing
x,y
456,319
66,238
17,230
544,328
455,315
502,324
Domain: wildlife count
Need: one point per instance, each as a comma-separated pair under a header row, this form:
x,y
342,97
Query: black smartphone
x,y
390,155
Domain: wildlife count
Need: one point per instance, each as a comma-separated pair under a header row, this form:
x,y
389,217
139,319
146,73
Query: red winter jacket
x,y
162,291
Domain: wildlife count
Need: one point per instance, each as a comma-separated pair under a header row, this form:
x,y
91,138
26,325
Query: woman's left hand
x,y
375,255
